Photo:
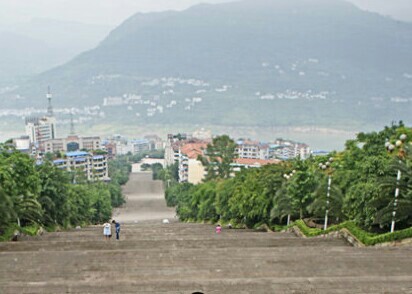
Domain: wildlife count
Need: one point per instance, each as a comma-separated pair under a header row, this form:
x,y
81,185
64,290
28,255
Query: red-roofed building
x,y
191,169
249,162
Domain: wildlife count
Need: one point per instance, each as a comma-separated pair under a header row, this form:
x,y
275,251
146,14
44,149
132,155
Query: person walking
x,y
107,231
117,228
218,229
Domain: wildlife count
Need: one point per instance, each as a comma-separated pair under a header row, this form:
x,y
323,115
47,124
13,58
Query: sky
x,y
113,12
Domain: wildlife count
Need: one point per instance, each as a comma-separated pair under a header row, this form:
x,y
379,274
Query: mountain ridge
x,y
274,48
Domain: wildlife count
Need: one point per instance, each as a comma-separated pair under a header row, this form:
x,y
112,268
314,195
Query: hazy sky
x,y
114,12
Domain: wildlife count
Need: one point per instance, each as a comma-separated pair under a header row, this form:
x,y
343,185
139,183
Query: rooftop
x,y
255,162
76,154
193,150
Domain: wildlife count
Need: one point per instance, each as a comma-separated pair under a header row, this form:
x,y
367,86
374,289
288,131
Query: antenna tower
x,y
49,108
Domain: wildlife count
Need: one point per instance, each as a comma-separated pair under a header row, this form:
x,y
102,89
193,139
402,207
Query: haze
x,y
113,12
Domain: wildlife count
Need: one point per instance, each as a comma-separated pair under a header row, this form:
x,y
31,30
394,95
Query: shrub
x,y
363,236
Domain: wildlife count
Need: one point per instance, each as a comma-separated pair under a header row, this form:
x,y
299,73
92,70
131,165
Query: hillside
x,y
21,55
298,62
33,47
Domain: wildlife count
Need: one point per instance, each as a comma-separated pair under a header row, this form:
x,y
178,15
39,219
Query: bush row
x,y
363,236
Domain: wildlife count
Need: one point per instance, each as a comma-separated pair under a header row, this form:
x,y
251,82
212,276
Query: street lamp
x,y
390,147
327,166
288,177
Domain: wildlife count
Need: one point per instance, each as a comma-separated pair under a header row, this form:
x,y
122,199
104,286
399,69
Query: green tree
x,y
203,201
302,186
219,158
20,181
282,204
183,197
384,202
6,210
224,192
53,194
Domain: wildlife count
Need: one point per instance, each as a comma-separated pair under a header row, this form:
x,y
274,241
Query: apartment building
x,y
191,169
72,143
172,147
252,149
94,167
41,129
155,142
285,149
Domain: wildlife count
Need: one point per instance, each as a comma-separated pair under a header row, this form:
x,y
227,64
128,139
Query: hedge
x,y
363,236
8,234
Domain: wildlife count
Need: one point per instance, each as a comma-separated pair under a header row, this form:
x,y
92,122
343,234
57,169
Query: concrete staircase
x,y
152,257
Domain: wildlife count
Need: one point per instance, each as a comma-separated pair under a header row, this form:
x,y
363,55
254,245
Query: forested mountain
x,y
317,62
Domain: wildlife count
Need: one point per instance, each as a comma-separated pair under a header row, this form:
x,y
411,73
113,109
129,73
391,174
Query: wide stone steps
x,y
152,257
183,258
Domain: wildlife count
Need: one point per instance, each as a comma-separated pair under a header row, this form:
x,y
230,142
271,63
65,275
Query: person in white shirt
x,y
107,231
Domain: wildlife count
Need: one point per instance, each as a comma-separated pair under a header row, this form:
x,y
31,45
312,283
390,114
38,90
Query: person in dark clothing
x,y
117,227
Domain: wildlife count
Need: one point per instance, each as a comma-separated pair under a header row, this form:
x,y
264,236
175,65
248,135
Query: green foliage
x,y
6,209
158,154
177,192
157,171
7,233
33,195
169,175
20,183
99,152
363,182
145,167
31,230
100,200
120,169
54,186
116,194
365,237
219,158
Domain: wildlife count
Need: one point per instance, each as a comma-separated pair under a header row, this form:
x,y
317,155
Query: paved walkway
x,y
152,257
145,200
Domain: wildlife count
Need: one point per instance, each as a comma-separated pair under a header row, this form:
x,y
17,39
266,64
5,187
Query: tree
x,y
203,201
6,209
301,186
53,194
384,203
157,170
254,190
224,192
318,207
20,181
282,204
219,158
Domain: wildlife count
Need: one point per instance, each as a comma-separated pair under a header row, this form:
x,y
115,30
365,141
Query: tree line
x,y
357,184
42,194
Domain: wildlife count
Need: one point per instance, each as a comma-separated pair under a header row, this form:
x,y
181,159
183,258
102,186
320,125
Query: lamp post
x,y
390,147
327,167
288,177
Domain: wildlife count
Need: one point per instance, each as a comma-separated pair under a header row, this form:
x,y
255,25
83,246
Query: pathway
x,y
152,257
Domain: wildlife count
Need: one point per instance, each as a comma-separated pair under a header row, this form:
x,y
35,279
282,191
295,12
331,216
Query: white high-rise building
x,y
42,129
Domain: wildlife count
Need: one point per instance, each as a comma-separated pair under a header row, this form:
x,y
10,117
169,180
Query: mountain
x,y
41,44
72,38
21,55
249,63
